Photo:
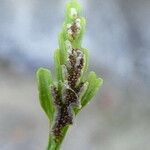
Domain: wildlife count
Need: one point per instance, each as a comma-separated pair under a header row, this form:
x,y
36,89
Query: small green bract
x,y
63,97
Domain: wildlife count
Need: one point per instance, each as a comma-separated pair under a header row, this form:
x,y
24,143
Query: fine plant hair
x,y
65,95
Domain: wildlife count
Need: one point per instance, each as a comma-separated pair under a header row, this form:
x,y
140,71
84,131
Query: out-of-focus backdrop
x,y
118,39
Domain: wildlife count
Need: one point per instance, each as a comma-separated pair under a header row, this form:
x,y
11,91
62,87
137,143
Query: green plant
x,y
65,96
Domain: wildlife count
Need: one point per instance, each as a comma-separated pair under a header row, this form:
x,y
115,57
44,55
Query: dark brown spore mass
x,y
68,98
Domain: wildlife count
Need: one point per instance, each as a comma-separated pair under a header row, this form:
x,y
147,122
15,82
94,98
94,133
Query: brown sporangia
x,y
74,28
69,96
76,60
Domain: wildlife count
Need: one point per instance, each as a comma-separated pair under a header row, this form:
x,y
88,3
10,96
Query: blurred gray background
x,y
118,39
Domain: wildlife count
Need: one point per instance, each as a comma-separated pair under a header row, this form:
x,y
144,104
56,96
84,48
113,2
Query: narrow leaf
x,y
58,67
44,80
62,48
94,85
86,59
69,6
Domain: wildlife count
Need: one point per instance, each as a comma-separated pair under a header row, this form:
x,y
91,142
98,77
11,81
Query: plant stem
x,y
52,145
49,147
61,99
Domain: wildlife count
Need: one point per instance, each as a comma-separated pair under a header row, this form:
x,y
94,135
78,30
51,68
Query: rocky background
x,y
118,39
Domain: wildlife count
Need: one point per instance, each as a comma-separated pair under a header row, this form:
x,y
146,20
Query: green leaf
x,y
94,85
86,58
62,48
58,67
69,6
44,80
